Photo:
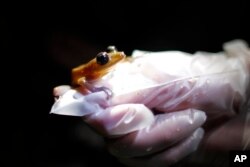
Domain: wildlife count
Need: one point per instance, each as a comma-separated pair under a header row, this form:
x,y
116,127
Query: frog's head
x,y
97,67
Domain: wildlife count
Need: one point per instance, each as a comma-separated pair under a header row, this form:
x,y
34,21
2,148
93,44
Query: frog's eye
x,y
111,49
102,58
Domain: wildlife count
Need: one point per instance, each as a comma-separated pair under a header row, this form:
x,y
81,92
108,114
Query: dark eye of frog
x,y
102,58
111,49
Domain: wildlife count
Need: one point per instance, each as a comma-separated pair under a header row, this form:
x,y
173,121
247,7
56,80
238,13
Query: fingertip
x,y
60,90
197,115
201,114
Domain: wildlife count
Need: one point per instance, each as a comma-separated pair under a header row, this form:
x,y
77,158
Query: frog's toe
x,y
104,89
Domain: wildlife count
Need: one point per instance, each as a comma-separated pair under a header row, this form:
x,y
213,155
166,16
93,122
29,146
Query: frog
x,y
86,74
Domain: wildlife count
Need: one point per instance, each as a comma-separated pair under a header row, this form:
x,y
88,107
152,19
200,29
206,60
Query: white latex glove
x,y
132,130
169,83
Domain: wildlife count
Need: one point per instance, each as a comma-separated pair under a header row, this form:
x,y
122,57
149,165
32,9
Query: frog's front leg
x,y
94,88
104,89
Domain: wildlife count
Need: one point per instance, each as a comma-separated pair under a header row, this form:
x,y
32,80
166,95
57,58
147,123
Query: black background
x,y
42,42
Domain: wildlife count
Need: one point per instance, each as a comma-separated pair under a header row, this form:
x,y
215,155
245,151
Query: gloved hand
x,y
167,140
135,135
169,127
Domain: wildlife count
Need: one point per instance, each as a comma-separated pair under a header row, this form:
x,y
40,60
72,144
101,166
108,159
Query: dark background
x,y
42,42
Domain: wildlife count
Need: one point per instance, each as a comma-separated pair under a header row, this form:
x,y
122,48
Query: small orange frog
x,y
96,68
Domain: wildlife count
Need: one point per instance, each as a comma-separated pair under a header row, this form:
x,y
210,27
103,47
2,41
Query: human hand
x,y
128,124
170,137
135,135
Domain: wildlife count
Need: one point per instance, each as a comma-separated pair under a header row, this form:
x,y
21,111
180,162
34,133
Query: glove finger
x,y
121,119
60,90
167,130
168,156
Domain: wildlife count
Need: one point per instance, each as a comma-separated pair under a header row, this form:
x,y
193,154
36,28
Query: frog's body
x,y
96,68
